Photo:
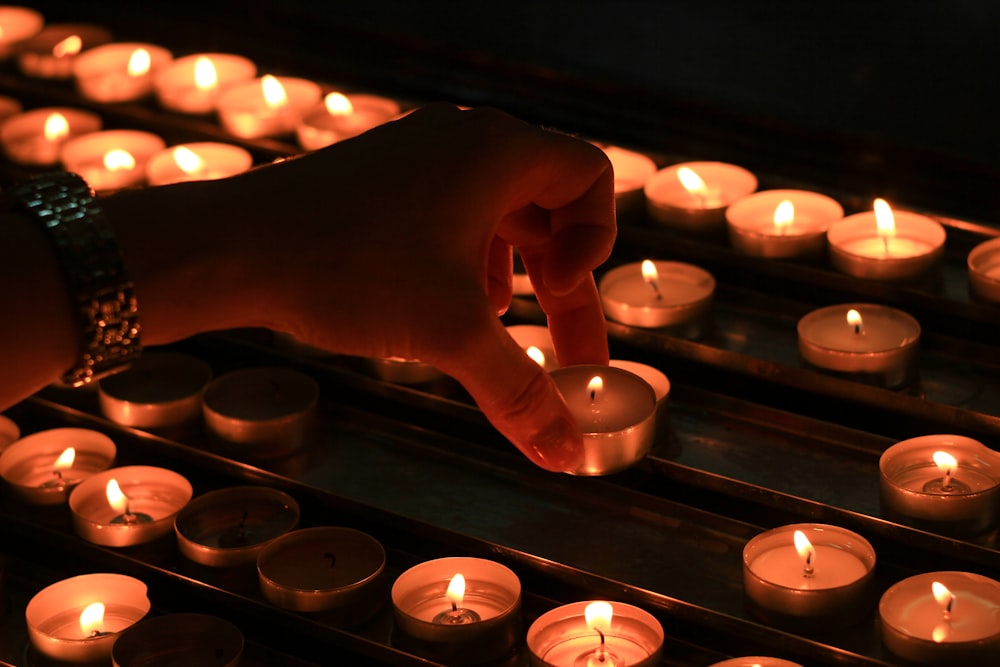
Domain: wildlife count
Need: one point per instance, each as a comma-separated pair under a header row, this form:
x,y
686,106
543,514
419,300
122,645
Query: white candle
x,y
693,196
632,170
119,72
342,116
111,159
672,294
266,107
192,84
16,25
52,52
36,137
30,466
562,637
782,223
198,161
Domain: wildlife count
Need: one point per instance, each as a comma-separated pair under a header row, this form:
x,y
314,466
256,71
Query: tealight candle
x,y
78,619
199,161
159,390
866,342
111,159
616,411
632,170
43,468
656,379
405,371
782,223
659,294
756,661
984,270
339,571
266,107
51,53
945,483
943,618
809,574
35,138
610,634
885,245
127,506
179,639
265,412
459,611
119,72
693,196
16,25
342,117
9,432
192,84
536,341
230,527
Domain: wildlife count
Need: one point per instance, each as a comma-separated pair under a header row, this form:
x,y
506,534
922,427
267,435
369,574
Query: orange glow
x,y
92,619
68,47
692,182
56,127
536,355
456,590
65,459
187,160
116,498
337,104
139,62
205,76
884,219
784,214
118,159
274,93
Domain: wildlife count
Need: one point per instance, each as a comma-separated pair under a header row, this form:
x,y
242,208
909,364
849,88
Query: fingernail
x,y
558,447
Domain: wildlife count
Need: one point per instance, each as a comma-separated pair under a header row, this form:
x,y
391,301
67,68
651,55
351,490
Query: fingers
x,y
500,279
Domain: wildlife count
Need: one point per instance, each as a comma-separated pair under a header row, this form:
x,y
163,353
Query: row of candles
x,y
467,610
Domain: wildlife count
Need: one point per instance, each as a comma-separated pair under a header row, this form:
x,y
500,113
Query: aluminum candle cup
x,y
111,159
18,24
119,72
632,170
960,500
229,527
53,616
32,467
192,84
562,637
857,249
51,53
984,270
263,412
786,586
529,336
245,112
758,227
702,209
661,389
26,141
340,571
877,347
9,432
199,161
679,298
756,661
479,625
961,628
405,371
334,120
617,415
154,496
159,390
179,639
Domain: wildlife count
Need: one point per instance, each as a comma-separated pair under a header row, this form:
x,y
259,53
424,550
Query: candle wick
x,y
885,243
656,288
454,607
593,395
857,328
601,635
946,481
58,474
807,571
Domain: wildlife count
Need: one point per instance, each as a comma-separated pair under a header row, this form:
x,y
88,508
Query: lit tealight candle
x,y
865,342
782,223
112,159
192,84
51,53
266,107
693,196
884,244
536,341
659,294
43,468
342,117
35,138
119,72
595,634
984,271
945,483
616,411
943,618
809,575
632,170
16,25
78,619
200,161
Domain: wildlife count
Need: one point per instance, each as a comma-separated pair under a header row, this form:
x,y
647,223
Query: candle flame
x,y
68,47
854,320
139,62
65,459
945,462
116,498
595,386
337,104
944,597
92,619
536,355
784,214
692,182
649,272
187,160
274,93
598,616
118,159
205,76
456,590
805,549
884,219
56,127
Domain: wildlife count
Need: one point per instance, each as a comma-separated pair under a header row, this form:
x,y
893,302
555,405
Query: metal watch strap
x,y
87,251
